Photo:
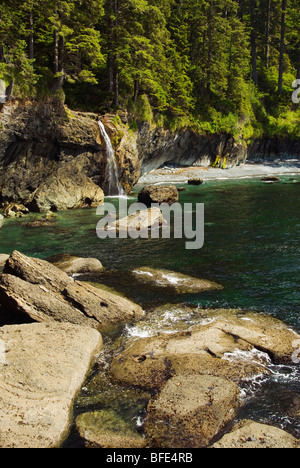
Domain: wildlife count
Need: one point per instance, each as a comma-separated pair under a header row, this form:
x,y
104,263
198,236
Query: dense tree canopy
x,y
220,65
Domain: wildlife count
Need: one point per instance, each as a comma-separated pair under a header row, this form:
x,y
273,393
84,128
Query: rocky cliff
x,y
52,158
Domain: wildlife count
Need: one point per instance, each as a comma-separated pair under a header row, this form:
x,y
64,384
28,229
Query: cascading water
x,y
112,182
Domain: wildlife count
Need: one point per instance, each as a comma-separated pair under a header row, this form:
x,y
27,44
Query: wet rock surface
x,y
228,344
105,429
190,411
179,283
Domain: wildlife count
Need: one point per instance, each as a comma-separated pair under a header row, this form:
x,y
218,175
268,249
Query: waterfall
x,y
112,182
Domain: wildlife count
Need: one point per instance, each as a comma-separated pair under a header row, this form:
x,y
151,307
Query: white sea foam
x,y
142,272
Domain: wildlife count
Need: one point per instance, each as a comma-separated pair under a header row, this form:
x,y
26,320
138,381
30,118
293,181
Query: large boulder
x,y
227,344
252,435
190,411
50,157
41,291
66,189
158,194
177,282
42,367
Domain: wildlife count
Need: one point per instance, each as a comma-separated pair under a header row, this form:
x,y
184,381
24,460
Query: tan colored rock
x,y
228,344
262,331
74,265
190,411
177,282
3,259
107,430
251,435
46,294
15,210
42,367
158,194
66,189
141,222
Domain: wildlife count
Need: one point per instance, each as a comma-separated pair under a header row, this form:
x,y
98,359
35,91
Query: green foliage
x,y
174,63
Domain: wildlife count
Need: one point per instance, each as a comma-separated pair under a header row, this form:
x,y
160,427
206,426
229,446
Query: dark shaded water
x,y
251,247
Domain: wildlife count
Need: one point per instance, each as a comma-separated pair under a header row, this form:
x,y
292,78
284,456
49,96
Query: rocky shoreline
x,y
188,381
181,387
53,159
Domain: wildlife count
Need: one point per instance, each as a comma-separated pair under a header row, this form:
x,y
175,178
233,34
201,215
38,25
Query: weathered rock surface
x,y
249,434
42,367
158,194
50,157
190,411
71,264
15,210
228,344
46,294
3,259
106,430
65,189
179,283
139,222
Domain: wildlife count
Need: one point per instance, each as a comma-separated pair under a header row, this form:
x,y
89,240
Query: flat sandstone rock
x,y
190,411
42,367
249,434
229,343
177,282
46,294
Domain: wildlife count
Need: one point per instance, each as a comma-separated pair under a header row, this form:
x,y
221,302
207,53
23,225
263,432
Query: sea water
x,y
252,247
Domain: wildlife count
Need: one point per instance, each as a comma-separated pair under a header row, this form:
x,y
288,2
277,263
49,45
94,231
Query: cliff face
x,y
53,159
47,152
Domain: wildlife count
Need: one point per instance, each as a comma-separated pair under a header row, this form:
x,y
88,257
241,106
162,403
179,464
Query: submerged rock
x,y
46,294
42,367
107,430
190,411
75,265
228,344
249,434
179,283
158,194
